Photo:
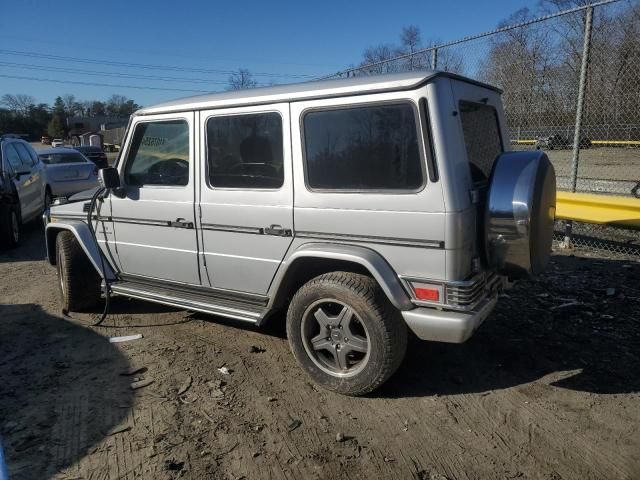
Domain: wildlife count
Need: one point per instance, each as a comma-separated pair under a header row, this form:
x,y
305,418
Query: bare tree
x,y
71,105
375,59
19,104
241,80
120,106
449,59
410,42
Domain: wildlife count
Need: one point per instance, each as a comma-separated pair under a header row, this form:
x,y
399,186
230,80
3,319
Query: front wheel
x,y
345,334
78,280
48,198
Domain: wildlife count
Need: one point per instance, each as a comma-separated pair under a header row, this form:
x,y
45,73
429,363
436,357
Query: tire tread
x,y
394,329
81,280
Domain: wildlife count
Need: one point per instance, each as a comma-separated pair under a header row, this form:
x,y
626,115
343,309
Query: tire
x,y
78,281
48,198
9,226
325,312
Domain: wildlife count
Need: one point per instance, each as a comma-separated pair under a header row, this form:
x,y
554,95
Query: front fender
x,y
81,231
371,260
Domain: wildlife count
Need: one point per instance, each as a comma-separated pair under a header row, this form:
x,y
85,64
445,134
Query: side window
x,y
25,157
159,154
363,148
32,153
481,137
13,158
245,151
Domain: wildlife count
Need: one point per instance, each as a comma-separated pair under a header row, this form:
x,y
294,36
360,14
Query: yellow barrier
x,y
594,142
616,142
600,209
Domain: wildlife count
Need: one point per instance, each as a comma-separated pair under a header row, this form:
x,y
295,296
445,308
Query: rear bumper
x,y
448,326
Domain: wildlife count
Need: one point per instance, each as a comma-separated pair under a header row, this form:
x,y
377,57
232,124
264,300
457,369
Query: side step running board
x,y
200,303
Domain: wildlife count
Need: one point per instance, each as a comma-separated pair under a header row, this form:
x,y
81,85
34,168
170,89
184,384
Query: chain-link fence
x,y
571,83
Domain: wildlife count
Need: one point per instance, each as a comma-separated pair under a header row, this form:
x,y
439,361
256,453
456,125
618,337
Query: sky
x,y
197,43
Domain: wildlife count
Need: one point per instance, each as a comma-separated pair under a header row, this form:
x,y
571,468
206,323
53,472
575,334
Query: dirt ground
x,y
546,389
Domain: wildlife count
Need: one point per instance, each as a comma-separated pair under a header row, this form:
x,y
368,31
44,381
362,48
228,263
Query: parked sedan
x,y
57,142
68,171
95,154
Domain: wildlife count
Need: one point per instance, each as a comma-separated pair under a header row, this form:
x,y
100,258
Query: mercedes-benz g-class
x,y
364,208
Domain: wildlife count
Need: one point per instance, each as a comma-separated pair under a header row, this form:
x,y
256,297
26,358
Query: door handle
x,y
181,223
277,230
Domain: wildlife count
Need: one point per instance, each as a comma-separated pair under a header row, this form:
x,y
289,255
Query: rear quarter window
x,y
482,139
363,148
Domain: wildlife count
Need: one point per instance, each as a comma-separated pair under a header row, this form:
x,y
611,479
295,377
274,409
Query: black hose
x,y
107,286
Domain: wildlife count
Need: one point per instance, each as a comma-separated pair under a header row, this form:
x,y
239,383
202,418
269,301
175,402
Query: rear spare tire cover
x,y
520,212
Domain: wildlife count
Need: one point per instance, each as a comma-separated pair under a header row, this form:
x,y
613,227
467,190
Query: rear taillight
x,y
428,292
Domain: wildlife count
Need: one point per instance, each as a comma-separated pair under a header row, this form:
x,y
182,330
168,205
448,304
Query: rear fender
x,y
369,259
81,231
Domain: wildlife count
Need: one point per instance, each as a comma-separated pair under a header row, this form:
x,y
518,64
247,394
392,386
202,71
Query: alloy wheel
x,y
335,338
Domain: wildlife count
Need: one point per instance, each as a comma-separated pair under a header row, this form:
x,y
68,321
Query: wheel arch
x,y
313,259
81,231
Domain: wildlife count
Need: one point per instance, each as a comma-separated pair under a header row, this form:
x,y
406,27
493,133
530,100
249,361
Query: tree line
x,y
538,66
19,113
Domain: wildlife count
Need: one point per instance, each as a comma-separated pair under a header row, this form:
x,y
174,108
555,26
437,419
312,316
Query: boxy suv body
x,y
361,206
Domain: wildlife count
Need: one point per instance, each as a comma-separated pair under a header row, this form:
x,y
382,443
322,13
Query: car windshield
x,y
58,158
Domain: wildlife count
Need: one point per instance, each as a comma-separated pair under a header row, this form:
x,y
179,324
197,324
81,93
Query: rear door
x,y
34,187
246,195
153,213
20,174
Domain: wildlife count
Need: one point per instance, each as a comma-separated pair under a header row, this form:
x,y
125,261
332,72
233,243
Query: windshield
x,y
58,158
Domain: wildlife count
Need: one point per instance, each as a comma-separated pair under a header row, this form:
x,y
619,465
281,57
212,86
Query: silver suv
x,y
363,207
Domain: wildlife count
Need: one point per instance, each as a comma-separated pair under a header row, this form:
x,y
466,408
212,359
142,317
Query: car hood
x,y
83,195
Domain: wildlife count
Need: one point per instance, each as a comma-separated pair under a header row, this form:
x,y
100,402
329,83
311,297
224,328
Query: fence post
x,y
434,59
586,47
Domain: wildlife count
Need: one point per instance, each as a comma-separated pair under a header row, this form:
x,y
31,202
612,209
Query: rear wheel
x,y
78,281
345,334
9,226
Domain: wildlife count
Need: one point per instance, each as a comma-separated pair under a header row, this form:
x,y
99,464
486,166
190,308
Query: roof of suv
x,y
305,91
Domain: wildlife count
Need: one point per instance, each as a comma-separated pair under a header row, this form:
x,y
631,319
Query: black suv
x,y
95,154
23,192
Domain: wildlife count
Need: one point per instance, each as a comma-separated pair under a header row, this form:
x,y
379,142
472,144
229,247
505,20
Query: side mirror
x,y
109,178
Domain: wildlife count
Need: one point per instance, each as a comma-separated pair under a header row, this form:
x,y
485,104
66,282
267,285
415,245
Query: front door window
x,y
159,154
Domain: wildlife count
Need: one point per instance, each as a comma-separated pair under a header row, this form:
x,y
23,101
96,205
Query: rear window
x,y
245,151
482,138
58,158
363,148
